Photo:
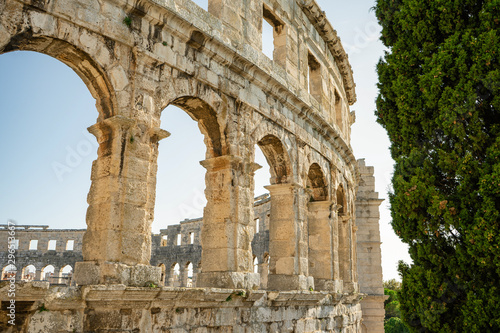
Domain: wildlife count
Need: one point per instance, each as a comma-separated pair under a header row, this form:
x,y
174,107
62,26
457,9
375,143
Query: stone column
x,y
322,247
227,230
38,274
183,276
288,246
117,244
347,260
369,256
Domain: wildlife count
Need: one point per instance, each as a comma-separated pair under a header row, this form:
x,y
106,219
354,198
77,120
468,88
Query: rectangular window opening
x,y
52,245
267,39
33,244
314,77
273,37
164,240
69,245
338,111
179,239
191,238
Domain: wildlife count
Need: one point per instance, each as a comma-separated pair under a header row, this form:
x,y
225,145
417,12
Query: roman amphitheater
x,y
305,258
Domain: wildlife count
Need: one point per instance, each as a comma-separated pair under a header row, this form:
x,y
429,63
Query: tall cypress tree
x,y
439,100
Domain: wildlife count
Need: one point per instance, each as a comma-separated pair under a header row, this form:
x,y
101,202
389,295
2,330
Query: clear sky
x,y
47,153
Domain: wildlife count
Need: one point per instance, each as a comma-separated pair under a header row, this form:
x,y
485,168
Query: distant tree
x,y
439,100
391,304
392,284
393,322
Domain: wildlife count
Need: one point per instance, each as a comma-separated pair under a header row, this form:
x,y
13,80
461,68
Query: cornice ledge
x,y
318,19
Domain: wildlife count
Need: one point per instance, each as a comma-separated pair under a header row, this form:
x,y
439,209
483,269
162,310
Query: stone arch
x,y
6,271
278,159
316,183
65,274
81,62
44,271
163,271
203,104
188,274
255,264
175,273
28,273
207,119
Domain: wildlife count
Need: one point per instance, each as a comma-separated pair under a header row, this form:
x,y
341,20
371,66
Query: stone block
x,y
229,280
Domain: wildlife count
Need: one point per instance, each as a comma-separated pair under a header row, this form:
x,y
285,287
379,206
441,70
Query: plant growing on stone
x,y
127,21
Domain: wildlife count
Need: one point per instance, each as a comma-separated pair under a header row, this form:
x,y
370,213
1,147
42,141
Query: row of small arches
x,y
47,273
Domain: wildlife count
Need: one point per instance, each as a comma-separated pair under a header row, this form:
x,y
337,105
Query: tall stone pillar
x,y
322,246
226,233
183,276
368,251
117,244
288,244
346,253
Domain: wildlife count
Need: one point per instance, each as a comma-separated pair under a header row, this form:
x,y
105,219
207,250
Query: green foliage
x,y
395,325
439,100
392,284
391,304
127,21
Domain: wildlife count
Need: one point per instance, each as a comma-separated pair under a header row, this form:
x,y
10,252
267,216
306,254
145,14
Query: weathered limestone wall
x,y
121,309
151,54
369,252
41,256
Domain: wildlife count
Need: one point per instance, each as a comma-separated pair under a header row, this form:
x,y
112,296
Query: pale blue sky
x,y
47,153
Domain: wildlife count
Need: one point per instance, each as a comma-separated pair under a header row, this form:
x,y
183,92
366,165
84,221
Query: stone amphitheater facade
x,y
138,57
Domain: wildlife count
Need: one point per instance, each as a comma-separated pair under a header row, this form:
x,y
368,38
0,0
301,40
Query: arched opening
x,y
277,158
65,275
264,271
175,273
287,244
9,272
190,274
163,270
255,264
28,273
45,98
180,182
316,183
320,228
48,274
